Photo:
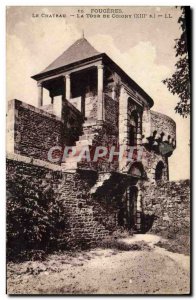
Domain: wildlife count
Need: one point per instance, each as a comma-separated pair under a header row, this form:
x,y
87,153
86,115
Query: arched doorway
x,y
134,196
132,193
159,171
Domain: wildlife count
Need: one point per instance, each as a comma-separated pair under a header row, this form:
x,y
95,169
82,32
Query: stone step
x,y
103,178
88,142
86,137
71,159
89,123
69,166
87,130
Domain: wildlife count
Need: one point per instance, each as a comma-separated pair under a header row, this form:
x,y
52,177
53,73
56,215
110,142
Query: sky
x,y
142,47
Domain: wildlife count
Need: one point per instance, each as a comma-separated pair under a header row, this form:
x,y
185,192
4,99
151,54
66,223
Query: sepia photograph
x,y
98,150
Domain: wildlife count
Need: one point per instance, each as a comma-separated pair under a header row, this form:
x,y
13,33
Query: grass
x,y
177,243
112,243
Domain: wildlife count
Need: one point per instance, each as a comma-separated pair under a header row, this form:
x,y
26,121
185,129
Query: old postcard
x,y
98,150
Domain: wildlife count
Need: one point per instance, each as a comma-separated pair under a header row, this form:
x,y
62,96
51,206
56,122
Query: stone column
x,y
166,169
67,87
123,125
113,93
100,93
139,210
40,94
146,125
139,131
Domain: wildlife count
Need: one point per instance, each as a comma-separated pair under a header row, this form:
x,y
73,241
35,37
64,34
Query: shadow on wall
x,y
147,222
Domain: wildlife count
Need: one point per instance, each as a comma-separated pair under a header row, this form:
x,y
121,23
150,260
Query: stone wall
x,y
34,174
89,218
93,206
72,124
166,207
111,108
102,136
150,160
91,107
76,102
35,131
163,124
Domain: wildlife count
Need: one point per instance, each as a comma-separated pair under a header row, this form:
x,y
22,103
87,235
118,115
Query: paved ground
x,y
104,271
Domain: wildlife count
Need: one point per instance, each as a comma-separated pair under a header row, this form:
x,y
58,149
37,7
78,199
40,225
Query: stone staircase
x,y
85,140
109,183
103,179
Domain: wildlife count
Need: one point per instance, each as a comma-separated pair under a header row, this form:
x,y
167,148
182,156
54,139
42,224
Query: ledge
x,y
41,111
33,161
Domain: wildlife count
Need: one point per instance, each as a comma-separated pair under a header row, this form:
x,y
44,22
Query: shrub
x,y
34,219
122,233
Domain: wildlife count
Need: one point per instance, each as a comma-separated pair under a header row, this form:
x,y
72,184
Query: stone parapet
x,y
158,127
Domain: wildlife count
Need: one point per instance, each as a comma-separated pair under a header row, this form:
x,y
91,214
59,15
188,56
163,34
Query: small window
x,y
159,171
133,127
132,137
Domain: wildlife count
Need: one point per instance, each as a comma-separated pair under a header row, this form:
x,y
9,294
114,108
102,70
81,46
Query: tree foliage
x,y
179,82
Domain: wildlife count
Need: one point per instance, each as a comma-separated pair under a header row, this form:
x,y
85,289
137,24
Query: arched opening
x,y
137,170
133,128
132,194
159,171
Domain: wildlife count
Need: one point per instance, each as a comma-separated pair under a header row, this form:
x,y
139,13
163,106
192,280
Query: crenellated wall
x,y
163,124
159,126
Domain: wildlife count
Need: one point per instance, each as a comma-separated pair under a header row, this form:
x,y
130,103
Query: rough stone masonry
x,y
95,103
